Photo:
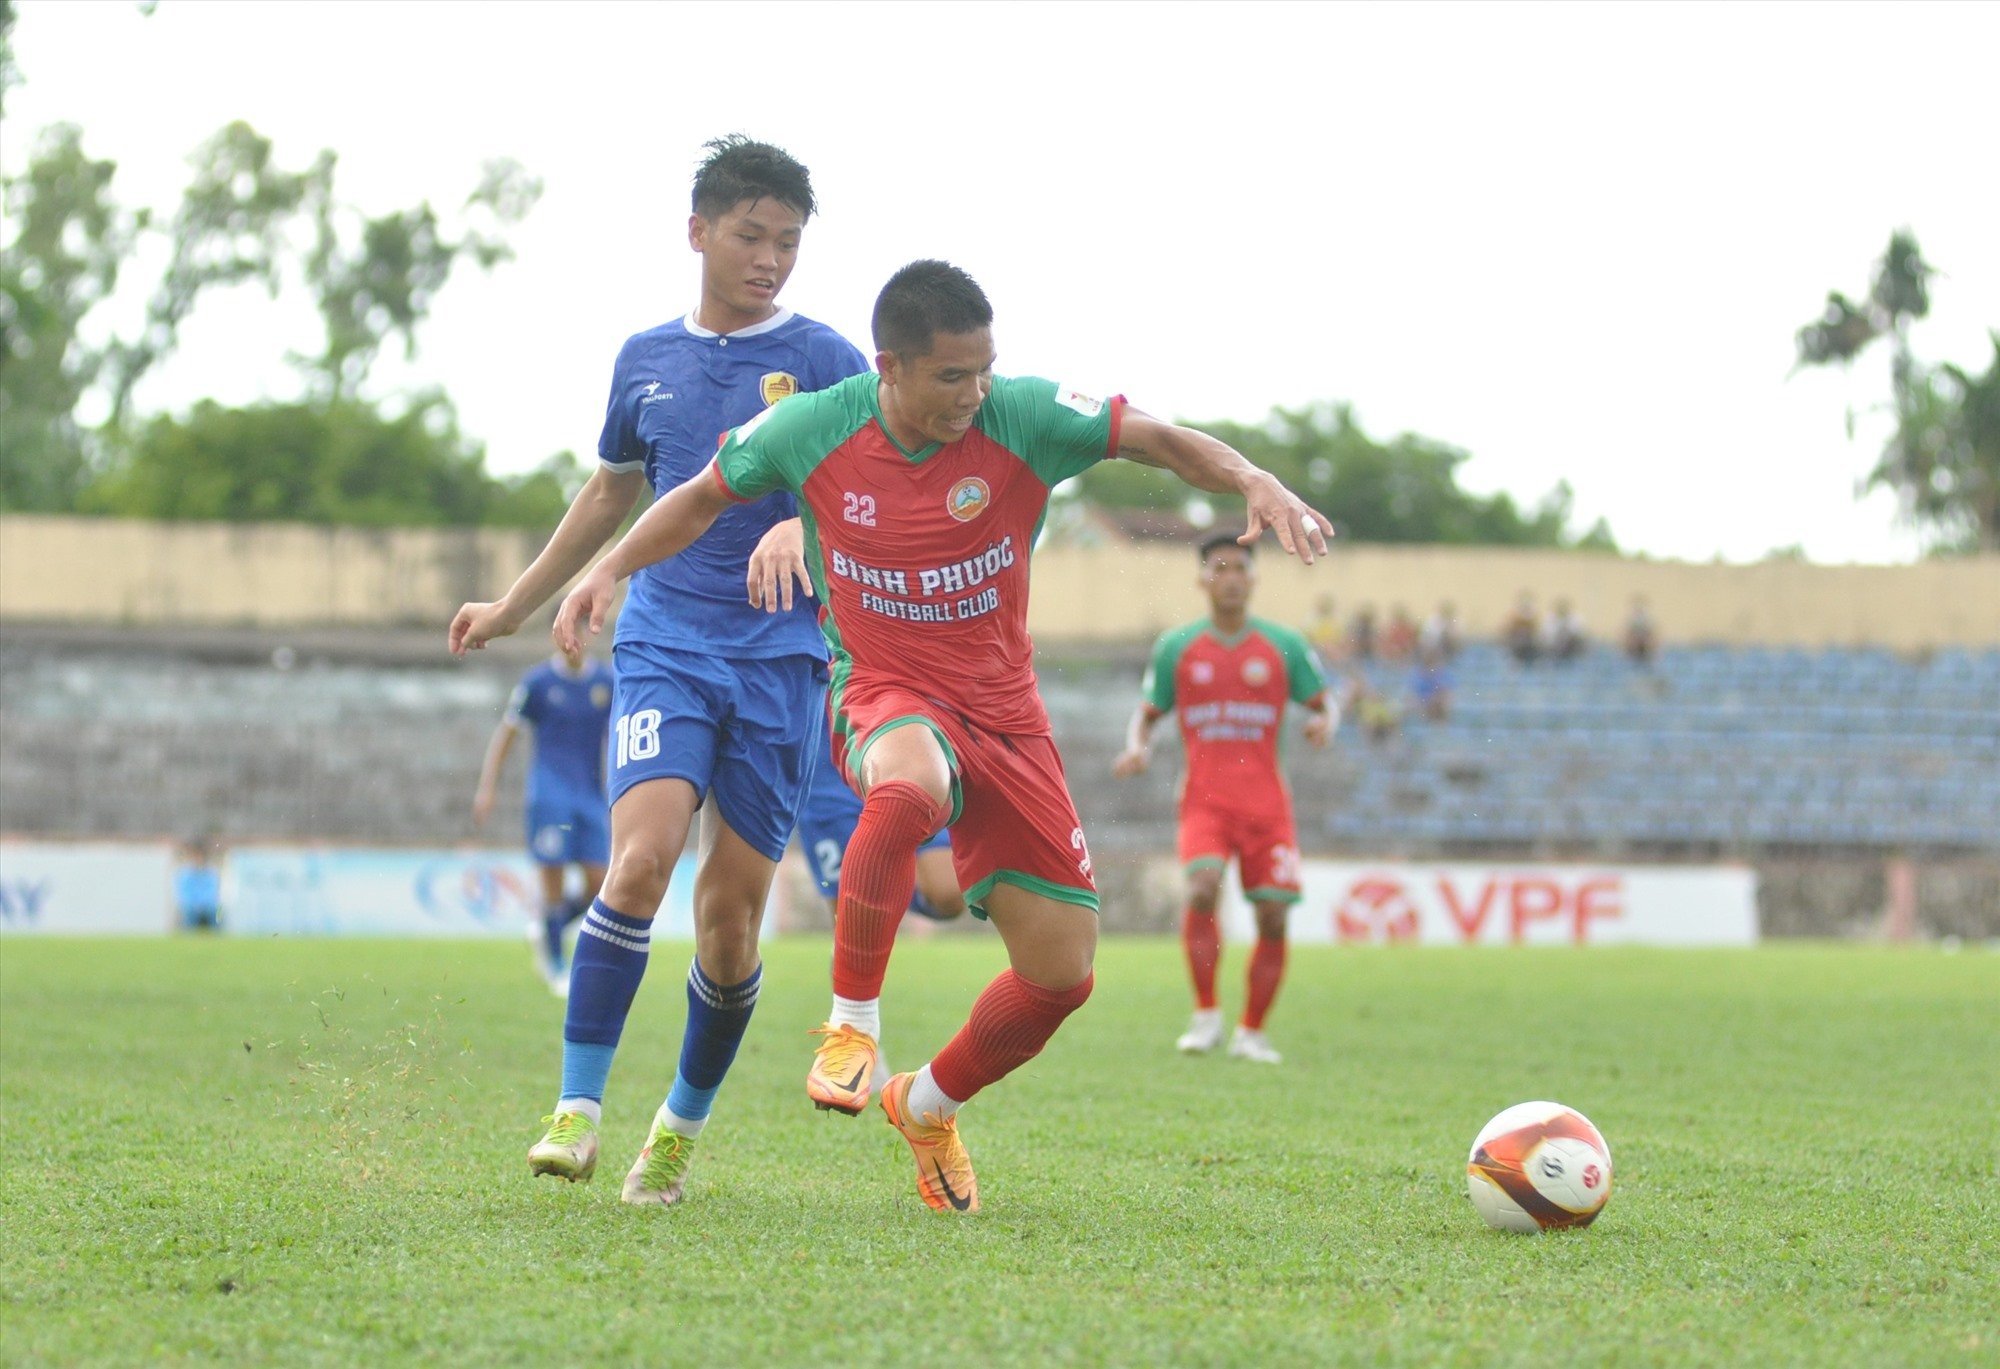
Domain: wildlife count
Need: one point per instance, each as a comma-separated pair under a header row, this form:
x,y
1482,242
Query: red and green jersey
x,y
920,559
1231,692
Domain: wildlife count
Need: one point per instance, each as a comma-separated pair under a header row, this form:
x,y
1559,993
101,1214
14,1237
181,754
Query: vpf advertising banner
x,y
1364,903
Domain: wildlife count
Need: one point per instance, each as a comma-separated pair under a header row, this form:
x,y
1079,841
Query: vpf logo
x,y
1376,910
776,385
968,499
1256,672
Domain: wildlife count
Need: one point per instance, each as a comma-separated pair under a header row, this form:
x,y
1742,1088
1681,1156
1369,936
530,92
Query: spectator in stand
x,y
1439,633
1563,637
198,885
1324,632
1361,635
1430,685
1378,715
1642,642
1519,633
1399,638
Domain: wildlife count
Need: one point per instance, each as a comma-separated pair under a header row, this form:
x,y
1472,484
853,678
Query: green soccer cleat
x,y
568,1150
660,1172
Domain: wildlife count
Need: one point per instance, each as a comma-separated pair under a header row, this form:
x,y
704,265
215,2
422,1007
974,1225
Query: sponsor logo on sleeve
x,y
1072,398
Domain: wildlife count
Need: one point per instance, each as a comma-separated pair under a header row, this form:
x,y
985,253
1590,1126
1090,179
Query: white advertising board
x,y
72,888
1499,905
303,891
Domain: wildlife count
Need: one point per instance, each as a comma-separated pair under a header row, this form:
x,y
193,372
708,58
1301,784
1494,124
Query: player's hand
x,y
482,808
477,624
1318,730
584,607
1302,530
1129,762
778,562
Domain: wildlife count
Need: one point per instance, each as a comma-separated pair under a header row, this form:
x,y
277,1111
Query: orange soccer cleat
x,y
944,1171
843,1069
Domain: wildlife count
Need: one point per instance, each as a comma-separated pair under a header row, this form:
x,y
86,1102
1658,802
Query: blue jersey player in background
x,y
566,702
715,698
826,825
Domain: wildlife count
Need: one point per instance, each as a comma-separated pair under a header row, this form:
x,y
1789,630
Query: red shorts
x,y
1265,844
1013,821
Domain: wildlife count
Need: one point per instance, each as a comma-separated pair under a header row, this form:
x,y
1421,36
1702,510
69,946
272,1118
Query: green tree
x,y
1405,490
333,461
1943,457
69,240
245,219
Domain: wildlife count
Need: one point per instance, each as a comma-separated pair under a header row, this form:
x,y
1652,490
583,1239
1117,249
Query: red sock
x,y
1267,971
877,877
1010,1024
1201,938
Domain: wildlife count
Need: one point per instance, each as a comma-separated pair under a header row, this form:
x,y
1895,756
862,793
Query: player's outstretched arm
x,y
1319,728
665,530
1213,465
1138,752
599,507
489,772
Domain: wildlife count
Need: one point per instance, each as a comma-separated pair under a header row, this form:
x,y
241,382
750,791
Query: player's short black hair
x,y
739,168
924,299
1216,541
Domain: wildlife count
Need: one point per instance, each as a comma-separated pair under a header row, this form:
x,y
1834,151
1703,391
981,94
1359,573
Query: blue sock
x,y
717,1017
610,962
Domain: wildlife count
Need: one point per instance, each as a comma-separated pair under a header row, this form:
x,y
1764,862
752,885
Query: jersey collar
x,y
1232,640
915,458
777,320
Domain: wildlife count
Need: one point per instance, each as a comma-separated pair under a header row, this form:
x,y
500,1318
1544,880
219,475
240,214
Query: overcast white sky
x,y
1573,240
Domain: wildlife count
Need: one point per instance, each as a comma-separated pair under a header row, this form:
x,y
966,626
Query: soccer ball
x,y
1538,1166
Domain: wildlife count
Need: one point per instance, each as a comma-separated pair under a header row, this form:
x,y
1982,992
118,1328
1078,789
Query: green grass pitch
x,y
313,1152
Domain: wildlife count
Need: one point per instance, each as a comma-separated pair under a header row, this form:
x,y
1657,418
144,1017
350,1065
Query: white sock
x,y
682,1125
1207,1017
926,1097
862,1014
589,1107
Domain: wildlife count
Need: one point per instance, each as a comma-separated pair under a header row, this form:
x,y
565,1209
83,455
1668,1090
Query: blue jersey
x,y
674,392
571,715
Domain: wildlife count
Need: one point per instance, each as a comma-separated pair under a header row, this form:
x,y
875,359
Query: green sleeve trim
x,y
1204,863
975,897
1272,896
1158,687
1056,430
780,447
1303,672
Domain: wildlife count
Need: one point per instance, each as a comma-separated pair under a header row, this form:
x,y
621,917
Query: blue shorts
x,y
745,731
826,825
569,829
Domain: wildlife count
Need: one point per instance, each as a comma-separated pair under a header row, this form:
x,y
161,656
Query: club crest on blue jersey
x,y
777,384
968,499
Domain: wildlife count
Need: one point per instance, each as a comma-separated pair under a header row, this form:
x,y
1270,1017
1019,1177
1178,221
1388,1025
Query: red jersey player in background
x,y
1231,675
921,489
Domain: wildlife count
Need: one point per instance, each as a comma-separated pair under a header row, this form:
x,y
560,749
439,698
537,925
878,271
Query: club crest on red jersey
x,y
1256,671
968,499
777,384
1201,672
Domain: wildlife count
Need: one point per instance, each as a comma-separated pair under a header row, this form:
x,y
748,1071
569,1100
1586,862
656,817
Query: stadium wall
x,y
80,571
